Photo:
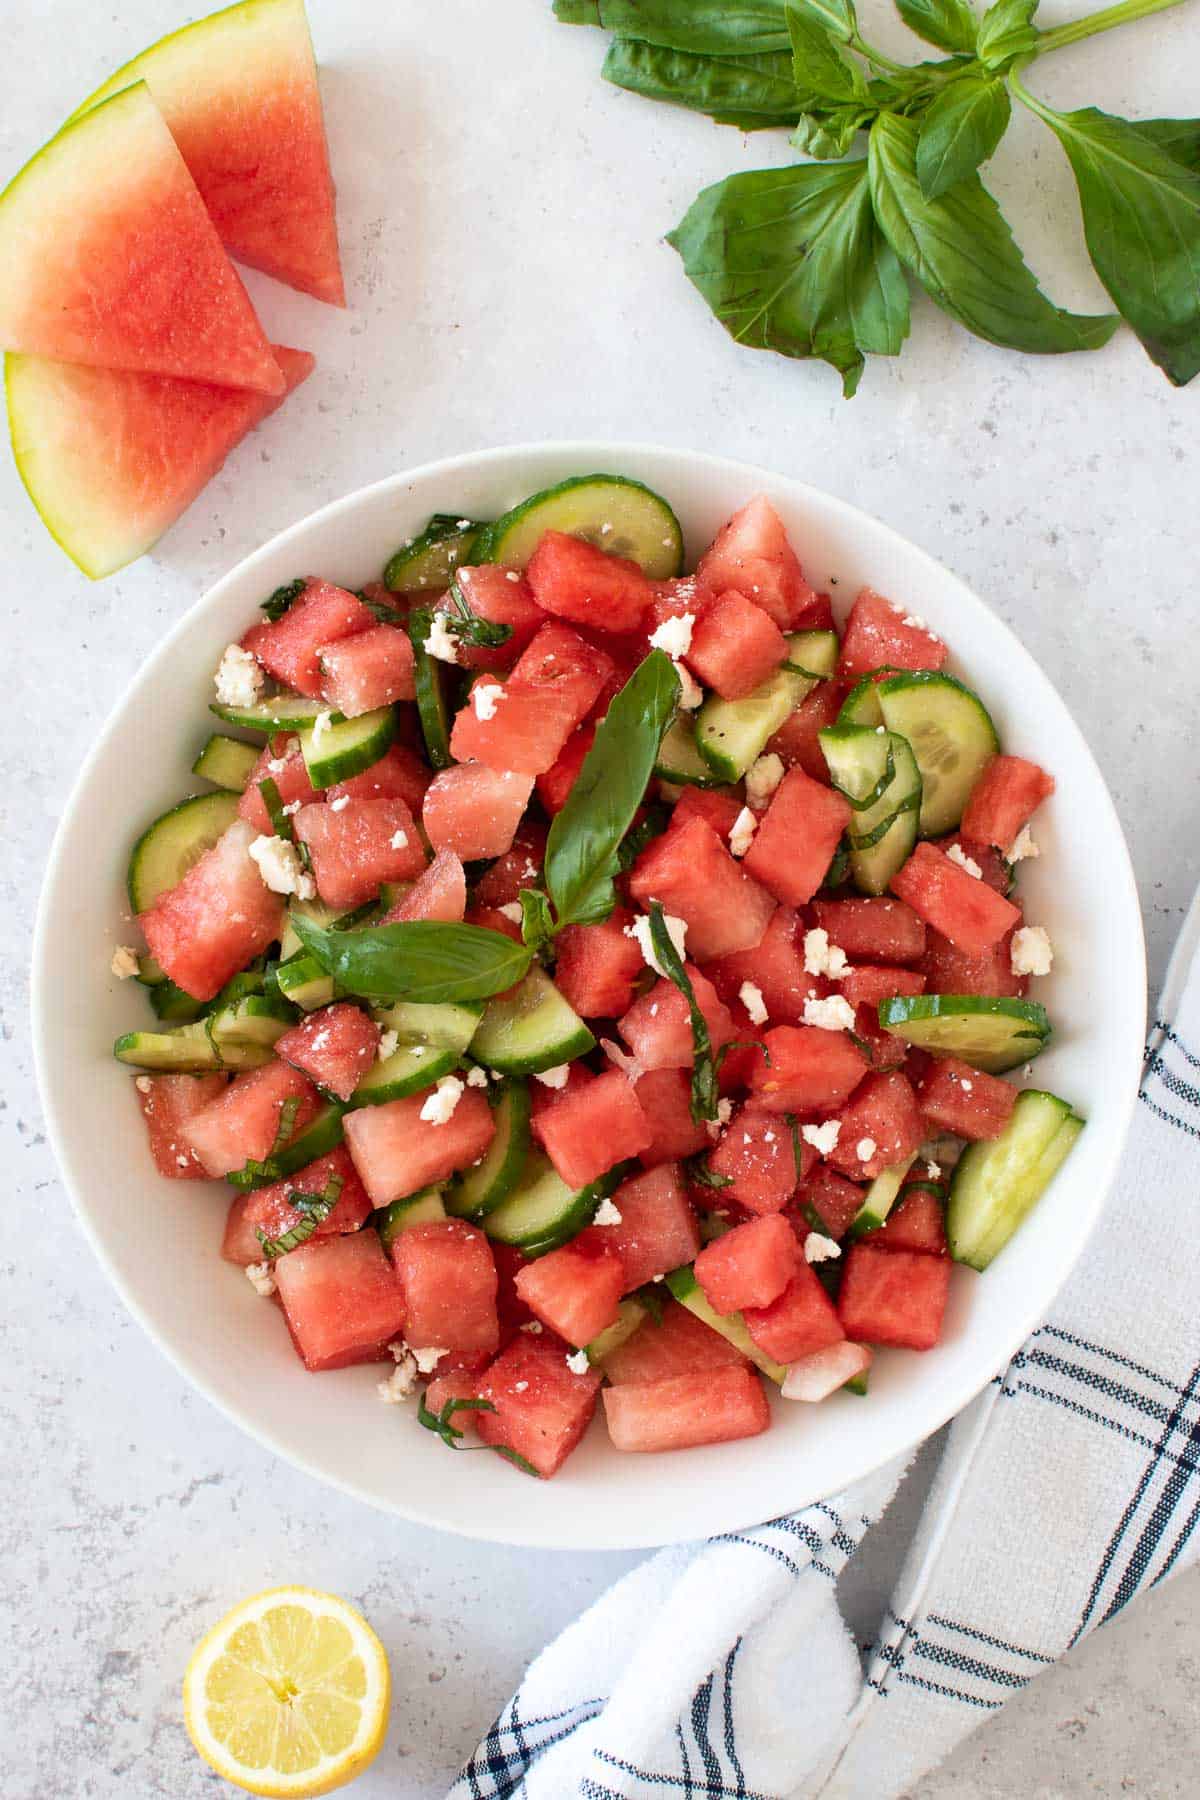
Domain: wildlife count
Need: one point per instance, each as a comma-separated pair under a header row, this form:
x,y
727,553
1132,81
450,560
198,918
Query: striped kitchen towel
x,y
1068,1487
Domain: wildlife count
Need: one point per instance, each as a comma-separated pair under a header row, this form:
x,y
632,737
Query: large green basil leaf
x,y
424,960
1006,30
705,27
950,24
960,131
750,92
821,71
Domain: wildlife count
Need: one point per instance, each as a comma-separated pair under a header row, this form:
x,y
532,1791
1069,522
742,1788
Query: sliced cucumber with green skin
x,y
616,514
630,1315
317,911
188,1051
424,1208
991,1033
731,1326
226,762
258,1019
431,680
282,712
530,1030
178,839
998,1183
542,1212
880,1199
861,705
347,747
303,981
322,1134
173,1005
407,1070
732,734
679,760
150,973
426,562
951,735
491,1182
448,1026
884,827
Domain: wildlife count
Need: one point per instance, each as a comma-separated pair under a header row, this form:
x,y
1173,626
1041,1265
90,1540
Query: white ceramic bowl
x,y
160,1242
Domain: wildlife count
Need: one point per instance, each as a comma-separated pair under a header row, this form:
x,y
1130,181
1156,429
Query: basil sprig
x,y
314,1209
423,960
705,1091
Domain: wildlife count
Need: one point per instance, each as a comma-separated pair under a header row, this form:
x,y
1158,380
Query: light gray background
x,y
502,212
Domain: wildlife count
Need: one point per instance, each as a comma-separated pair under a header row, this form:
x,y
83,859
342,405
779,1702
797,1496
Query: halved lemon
x,y
288,1694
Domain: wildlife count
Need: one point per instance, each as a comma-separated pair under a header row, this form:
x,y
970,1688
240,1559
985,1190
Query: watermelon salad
x,y
598,985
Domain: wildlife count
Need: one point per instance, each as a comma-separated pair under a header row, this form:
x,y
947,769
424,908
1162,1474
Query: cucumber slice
x,y
322,1134
188,1051
424,1208
679,761
861,705
448,1026
880,1198
347,747
530,1029
731,734
258,1019
730,1326
542,1212
992,1034
616,514
884,828
316,910
428,561
172,1004
167,849
303,981
407,1070
952,738
630,1315
226,762
282,712
432,681
998,1183
488,1185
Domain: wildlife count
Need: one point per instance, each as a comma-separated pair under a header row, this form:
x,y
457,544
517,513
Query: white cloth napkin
x,y
1070,1485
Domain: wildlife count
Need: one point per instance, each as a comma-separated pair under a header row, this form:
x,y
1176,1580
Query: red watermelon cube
x,y
878,931
775,966
565,669
715,1406
341,1299
949,970
657,1230
956,903
882,1048
735,646
270,1210
396,1152
755,1156
592,1129
334,1046
1005,797
752,555
449,1283
400,774
802,1319
916,1222
168,1102
893,1297
239,1243
666,1099
554,786
576,581
832,1197
371,669
748,1266
796,742
242,1123
282,763
545,1100
488,918
439,893
542,1408
598,965
658,1026
474,810
869,983
793,847
217,919
290,648
694,878
502,597
517,868
957,1098
718,807
678,1343
881,1126
993,867
354,848
879,635
551,690
575,1291
810,1071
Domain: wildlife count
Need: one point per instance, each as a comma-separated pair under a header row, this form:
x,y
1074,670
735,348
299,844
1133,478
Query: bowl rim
x,y
596,453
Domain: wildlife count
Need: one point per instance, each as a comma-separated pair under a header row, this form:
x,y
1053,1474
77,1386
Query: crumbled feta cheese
x,y
555,1078
578,1362
485,697
762,778
819,1248
520,1387
1022,846
823,1138
340,804
143,1084
124,962
280,866
401,1384
399,840
674,635
389,1043
834,1014
821,957
865,1149
512,574
933,1170
724,1111
751,998
629,1066
958,855
512,909
427,1360
742,834
1032,951
640,930
463,525
606,1214
691,694
916,621
277,764
440,1105
239,679
441,642
320,725
290,811
477,1077
261,1279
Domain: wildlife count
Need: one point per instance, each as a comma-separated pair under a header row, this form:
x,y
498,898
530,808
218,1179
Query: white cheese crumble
x,y
821,957
1022,846
606,1214
477,1077
143,1084
819,1248
485,697
629,1066
439,1106
239,679
640,931
389,1043
674,635
834,1014
124,962
724,1114
512,910
261,1279
865,1149
399,840
578,1362
277,764
512,574
1032,951
427,1360
280,867
555,1078
916,621
321,724
933,1170
958,855
401,1384
762,778
691,694
742,834
751,998
823,1138
340,804
441,642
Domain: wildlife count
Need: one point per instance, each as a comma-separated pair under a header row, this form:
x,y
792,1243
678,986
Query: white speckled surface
x,y
501,213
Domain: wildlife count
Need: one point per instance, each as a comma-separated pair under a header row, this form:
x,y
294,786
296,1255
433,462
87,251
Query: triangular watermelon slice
x,y
111,459
110,258
239,92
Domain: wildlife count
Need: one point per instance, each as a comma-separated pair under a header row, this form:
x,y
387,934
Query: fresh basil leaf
x,y
581,850
950,24
1006,31
254,1173
837,17
826,136
468,627
314,1210
276,604
281,825
705,1092
537,924
749,92
1179,138
705,27
700,1175
791,260
423,960
961,251
577,12
960,131
1141,219
821,71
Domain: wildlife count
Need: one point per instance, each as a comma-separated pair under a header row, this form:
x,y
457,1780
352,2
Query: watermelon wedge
x,y
239,93
111,459
110,258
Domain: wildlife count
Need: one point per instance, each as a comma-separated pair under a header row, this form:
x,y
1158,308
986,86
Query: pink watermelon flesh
x,y
217,919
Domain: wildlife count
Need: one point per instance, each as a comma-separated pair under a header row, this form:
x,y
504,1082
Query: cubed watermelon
x,y
449,1283
657,1231
544,1100
881,1048
270,1210
993,867
956,903
341,1299
335,1046
878,931
456,1384
357,846
554,786
893,1297
489,918
517,868
512,1309
372,668
958,1098
666,1100
575,580
474,810
735,646
793,847
802,1319
674,1343
597,966
553,686
775,967
282,763
242,1123
949,970
217,919
879,635
881,1126
575,1291
748,1266
168,1102
400,774
810,1070
239,1243
502,597
691,873
869,983
715,1406
832,1197
916,1222
542,1408
658,1026
594,1128
755,1156
1005,797
396,1152
718,807
752,555
796,742
290,647
439,893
